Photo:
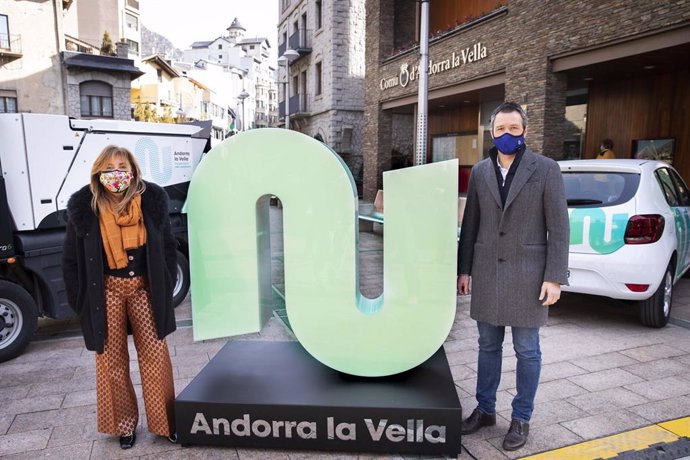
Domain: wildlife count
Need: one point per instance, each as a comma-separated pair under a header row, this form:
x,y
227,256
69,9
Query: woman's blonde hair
x,y
100,194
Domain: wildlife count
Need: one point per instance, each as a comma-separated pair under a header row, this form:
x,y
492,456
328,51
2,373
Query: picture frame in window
x,y
661,149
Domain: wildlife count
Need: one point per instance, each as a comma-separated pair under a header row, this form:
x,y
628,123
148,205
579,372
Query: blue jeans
x,y
526,345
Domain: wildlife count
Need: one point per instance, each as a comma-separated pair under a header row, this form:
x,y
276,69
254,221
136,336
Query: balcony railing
x,y
300,106
300,41
10,46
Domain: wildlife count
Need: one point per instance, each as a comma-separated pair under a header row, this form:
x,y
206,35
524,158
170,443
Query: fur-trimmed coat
x,y
82,264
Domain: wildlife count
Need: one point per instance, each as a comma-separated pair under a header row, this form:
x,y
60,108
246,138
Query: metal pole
x,y
423,90
287,94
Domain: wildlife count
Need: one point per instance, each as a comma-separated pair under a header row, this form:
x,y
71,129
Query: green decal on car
x,y
596,237
231,264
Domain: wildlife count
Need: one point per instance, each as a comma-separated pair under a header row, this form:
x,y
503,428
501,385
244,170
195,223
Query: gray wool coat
x,y
510,252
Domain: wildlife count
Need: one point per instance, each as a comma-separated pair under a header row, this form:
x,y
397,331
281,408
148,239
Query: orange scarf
x,y
122,232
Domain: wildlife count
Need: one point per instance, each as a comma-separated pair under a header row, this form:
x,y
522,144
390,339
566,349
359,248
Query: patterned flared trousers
x,y
128,300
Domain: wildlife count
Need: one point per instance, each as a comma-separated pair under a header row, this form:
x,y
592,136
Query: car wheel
x,y
656,311
18,317
182,281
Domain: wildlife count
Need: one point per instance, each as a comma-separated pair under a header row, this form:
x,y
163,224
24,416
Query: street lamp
x,y
242,96
288,56
180,111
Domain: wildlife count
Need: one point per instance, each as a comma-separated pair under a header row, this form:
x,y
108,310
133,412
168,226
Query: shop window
x,y
96,99
575,124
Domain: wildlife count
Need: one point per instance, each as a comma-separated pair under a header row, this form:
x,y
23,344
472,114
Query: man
x,y
606,150
514,245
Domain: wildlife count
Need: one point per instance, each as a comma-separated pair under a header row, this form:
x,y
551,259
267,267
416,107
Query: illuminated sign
x,y
231,265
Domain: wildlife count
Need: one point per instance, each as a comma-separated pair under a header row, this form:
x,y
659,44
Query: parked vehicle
x,y
629,232
43,160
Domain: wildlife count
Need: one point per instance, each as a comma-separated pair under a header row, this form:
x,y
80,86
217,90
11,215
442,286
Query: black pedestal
x,y
275,395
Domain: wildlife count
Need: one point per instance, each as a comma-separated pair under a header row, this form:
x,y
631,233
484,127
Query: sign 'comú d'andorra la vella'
x,y
231,255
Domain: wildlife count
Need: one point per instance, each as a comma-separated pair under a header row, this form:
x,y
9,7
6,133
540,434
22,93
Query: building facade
x,y
46,67
584,71
322,89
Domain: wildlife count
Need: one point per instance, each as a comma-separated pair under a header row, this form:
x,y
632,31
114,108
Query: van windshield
x,y
585,189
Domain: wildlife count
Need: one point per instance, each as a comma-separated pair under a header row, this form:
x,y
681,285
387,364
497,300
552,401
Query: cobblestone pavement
x,y
602,373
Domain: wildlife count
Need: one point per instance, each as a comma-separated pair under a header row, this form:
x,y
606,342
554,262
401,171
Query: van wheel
x,y
656,311
18,317
182,282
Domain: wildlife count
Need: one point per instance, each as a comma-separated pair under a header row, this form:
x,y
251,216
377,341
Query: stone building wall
x,y
520,41
121,86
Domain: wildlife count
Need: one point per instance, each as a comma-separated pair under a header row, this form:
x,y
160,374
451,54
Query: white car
x,y
629,224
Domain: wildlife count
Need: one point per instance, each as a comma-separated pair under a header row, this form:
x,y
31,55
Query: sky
x,y
183,22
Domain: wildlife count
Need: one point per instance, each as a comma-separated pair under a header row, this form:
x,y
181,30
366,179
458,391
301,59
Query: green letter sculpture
x,y
334,322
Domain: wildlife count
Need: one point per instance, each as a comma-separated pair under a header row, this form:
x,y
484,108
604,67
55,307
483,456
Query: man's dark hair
x,y
607,143
509,107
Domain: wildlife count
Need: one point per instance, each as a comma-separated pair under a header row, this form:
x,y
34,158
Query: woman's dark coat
x,y
82,263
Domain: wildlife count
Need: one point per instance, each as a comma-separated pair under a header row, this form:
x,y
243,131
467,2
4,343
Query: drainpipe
x,y
423,90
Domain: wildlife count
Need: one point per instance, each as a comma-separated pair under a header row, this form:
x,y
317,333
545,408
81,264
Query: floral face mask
x,y
116,181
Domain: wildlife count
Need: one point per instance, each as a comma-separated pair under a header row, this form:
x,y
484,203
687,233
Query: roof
x,y
236,25
158,60
254,40
202,44
103,63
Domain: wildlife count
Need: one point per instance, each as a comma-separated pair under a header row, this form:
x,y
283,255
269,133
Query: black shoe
x,y
517,435
173,438
127,440
477,420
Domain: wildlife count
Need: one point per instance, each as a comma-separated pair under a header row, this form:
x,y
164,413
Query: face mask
x,y
602,148
509,144
116,181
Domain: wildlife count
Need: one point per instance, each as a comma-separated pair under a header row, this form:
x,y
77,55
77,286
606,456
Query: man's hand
x,y
464,284
550,293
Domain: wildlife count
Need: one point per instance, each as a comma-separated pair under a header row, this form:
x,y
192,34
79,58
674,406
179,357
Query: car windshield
x,y
588,189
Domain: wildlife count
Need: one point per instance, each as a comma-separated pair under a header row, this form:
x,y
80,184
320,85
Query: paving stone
x,y
72,452
26,405
660,411
652,352
596,426
43,375
65,435
262,454
462,372
51,418
656,390
610,378
14,392
658,369
147,443
555,389
551,413
79,398
5,422
541,439
461,357
195,453
305,455
23,442
561,370
481,449
607,400
604,361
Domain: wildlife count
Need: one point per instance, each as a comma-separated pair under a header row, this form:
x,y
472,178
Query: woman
x,y
119,267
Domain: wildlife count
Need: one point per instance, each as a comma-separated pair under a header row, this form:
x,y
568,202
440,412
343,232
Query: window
x,y
131,21
667,187
681,189
4,32
317,81
220,56
133,47
96,99
251,47
159,74
8,104
318,14
599,189
220,46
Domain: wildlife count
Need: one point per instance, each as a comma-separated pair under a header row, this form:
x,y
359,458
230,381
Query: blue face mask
x,y
509,144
